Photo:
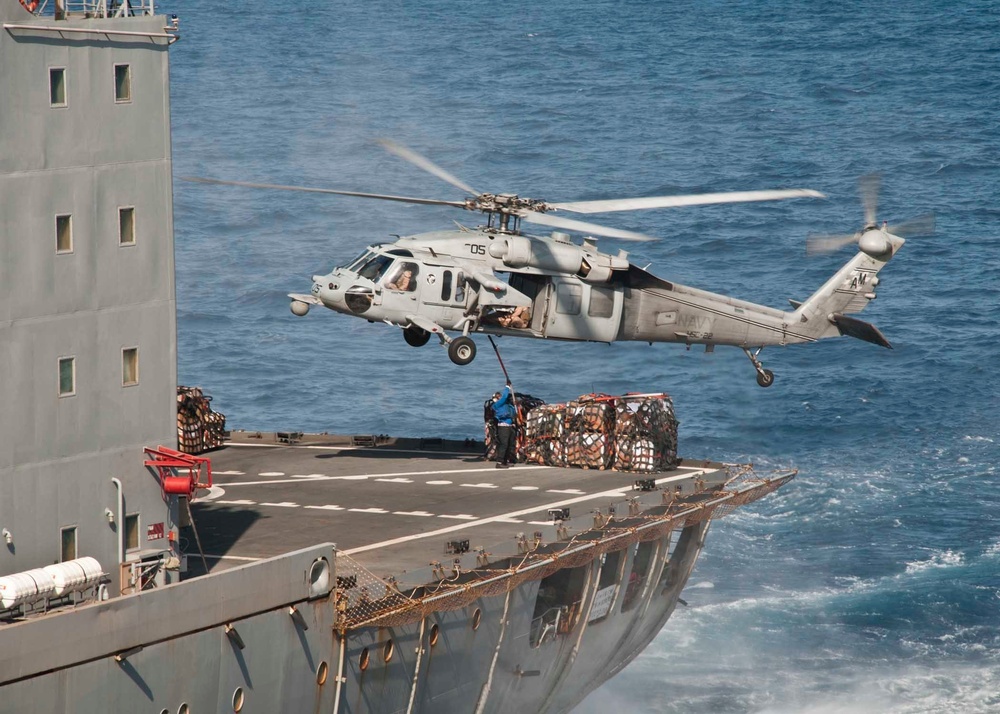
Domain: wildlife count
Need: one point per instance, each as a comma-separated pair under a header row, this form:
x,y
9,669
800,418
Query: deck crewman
x,y
504,410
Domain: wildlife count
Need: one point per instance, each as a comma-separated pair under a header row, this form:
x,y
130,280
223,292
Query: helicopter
x,y
496,279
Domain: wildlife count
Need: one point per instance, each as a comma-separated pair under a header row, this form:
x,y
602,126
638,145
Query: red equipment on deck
x,y
169,464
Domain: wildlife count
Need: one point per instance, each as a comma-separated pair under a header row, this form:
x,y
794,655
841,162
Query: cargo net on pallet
x,y
634,432
198,427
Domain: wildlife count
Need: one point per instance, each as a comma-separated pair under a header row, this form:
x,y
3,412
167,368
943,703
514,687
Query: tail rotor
x,y
872,239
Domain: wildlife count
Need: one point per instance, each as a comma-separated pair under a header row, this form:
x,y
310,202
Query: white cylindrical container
x,y
74,575
27,587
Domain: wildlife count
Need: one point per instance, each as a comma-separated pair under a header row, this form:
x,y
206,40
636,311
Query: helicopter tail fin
x,y
825,312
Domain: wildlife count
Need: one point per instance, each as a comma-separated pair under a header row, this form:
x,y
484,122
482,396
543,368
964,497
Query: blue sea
x,y
872,582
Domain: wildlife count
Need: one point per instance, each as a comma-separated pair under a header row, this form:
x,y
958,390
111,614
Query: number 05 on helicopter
x,y
496,279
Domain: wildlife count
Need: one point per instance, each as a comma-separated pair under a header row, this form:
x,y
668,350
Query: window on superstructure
x,y
57,86
67,549
64,234
67,376
126,226
130,366
132,531
123,83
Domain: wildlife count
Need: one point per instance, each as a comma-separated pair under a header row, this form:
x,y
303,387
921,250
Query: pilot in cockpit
x,y
404,279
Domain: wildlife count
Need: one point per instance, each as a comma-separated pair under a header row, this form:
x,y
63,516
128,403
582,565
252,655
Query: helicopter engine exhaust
x,y
518,252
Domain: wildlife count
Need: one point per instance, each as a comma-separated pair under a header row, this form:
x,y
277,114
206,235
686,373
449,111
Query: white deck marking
x,y
213,493
480,485
540,523
229,473
360,477
308,475
283,504
241,502
524,488
440,483
514,514
271,473
509,520
395,480
574,491
423,514
460,517
232,557
328,507
367,510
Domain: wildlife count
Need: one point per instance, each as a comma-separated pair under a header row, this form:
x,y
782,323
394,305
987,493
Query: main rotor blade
x,y
919,226
635,204
870,185
817,245
426,164
306,189
579,226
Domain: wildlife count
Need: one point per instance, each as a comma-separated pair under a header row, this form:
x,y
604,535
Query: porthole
x,y
433,637
238,700
322,672
387,650
364,660
477,619
184,709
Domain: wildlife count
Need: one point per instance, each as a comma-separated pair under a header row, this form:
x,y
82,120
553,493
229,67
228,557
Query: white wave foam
x,y
977,438
942,559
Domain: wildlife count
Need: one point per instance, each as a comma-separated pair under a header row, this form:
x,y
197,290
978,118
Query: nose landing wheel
x,y
765,377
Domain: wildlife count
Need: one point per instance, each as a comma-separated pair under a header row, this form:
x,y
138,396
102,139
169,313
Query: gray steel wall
x,y
87,159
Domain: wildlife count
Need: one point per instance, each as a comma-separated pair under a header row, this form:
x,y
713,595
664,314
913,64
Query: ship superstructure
x,y
87,311
452,587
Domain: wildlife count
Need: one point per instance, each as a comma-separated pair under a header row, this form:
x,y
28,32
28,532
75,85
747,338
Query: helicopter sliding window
x,y
602,302
403,277
446,285
568,299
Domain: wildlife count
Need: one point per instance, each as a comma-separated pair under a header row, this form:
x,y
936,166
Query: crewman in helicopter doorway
x,y
505,412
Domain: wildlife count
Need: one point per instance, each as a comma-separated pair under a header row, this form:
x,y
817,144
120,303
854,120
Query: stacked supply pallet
x,y
198,427
590,432
645,433
635,433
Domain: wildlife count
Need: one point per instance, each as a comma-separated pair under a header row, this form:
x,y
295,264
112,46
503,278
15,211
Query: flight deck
x,y
401,505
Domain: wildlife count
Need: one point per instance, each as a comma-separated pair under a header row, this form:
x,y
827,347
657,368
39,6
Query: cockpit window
x,y
403,277
356,264
374,268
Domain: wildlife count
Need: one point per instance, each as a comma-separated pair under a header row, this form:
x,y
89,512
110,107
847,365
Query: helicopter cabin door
x,y
444,294
579,311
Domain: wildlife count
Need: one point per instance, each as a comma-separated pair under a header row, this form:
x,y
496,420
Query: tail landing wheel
x,y
765,377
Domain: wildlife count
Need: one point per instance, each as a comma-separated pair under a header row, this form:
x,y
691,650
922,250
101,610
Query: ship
x,y
277,571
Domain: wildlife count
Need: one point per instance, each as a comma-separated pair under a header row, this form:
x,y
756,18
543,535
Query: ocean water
x,y
872,582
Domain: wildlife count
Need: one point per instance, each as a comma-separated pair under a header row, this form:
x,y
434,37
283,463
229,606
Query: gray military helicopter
x,y
496,279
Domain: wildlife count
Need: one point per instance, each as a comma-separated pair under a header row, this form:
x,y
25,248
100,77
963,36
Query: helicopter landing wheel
x,y
462,350
416,336
765,378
